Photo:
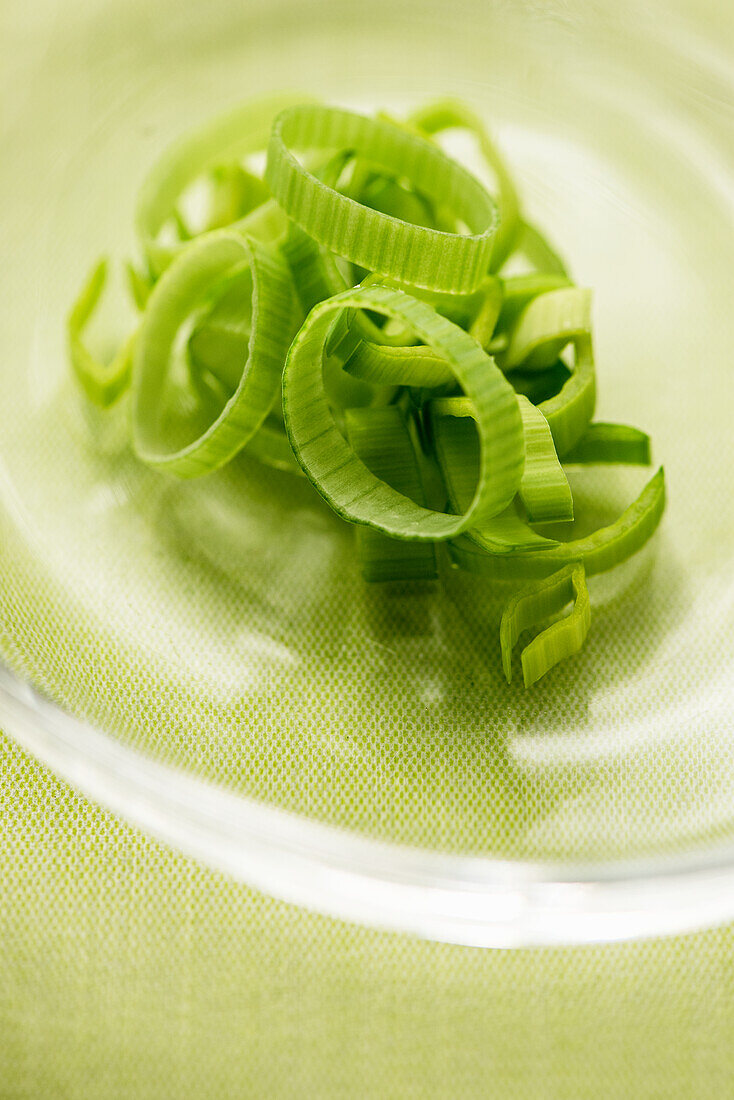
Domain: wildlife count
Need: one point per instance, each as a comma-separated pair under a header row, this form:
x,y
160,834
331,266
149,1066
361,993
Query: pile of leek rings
x,y
366,313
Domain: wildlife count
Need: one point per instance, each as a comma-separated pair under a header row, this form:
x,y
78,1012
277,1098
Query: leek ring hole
x,y
541,385
218,335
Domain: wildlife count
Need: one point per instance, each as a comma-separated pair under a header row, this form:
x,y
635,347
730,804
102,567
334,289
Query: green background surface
x,y
127,971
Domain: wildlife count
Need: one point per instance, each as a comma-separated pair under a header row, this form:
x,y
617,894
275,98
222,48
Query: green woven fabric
x,y
128,972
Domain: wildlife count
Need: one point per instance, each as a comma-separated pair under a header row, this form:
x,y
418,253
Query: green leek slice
x,y
456,446
392,355
570,411
382,440
343,479
102,383
179,292
484,321
235,192
561,639
547,324
535,246
219,342
413,254
451,114
314,272
599,551
140,284
519,290
384,365
616,443
383,192
544,489
270,446
462,309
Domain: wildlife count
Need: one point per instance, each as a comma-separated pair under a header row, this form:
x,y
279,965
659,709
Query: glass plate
x,y
205,659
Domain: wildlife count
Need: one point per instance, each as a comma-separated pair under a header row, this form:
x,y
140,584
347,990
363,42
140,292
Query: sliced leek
x,y
536,247
414,254
570,411
547,324
102,383
383,441
440,399
537,602
602,550
544,488
384,365
456,444
342,478
176,295
616,443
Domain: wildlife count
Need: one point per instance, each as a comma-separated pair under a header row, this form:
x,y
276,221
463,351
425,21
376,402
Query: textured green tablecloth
x,y
127,971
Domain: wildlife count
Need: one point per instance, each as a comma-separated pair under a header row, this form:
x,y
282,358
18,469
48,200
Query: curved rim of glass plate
x,y
473,901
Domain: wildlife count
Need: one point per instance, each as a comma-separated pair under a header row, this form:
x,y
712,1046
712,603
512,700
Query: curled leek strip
x,y
545,326
544,489
385,193
462,309
519,290
383,365
450,115
217,348
140,285
538,250
617,443
236,134
570,411
102,384
269,445
314,272
342,478
382,440
414,254
476,312
353,325
559,640
484,321
179,292
602,550
456,446
235,192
